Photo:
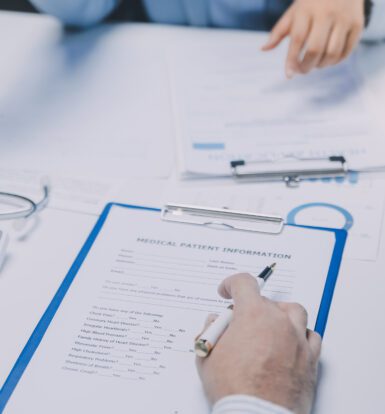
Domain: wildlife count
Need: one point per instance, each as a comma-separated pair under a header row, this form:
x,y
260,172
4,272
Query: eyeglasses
x,y
22,207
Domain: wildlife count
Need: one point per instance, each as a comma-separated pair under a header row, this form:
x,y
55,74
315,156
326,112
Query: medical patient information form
x,y
118,336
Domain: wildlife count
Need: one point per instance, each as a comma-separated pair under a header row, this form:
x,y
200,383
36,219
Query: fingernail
x,y
290,73
268,43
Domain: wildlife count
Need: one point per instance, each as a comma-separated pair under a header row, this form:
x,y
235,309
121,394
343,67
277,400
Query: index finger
x,y
242,288
279,31
298,37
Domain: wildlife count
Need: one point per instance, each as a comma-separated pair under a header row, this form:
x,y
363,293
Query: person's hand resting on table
x,y
322,33
266,352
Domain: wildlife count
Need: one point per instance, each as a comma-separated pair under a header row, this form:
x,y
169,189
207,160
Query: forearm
x,y
376,27
77,12
242,404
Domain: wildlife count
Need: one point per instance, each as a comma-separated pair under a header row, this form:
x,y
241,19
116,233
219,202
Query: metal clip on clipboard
x,y
290,170
222,217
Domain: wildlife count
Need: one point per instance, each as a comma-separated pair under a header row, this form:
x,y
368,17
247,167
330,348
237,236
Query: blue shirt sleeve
x,y
77,12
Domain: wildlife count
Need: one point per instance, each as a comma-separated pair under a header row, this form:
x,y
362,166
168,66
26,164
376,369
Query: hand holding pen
x,y
205,342
266,350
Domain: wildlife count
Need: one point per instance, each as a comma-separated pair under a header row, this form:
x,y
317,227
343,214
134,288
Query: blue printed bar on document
x,y
208,146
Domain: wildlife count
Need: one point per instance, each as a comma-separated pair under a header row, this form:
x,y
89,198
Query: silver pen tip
x,y
273,266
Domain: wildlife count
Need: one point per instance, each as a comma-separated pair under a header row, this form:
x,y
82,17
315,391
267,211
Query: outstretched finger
x,y
298,36
279,31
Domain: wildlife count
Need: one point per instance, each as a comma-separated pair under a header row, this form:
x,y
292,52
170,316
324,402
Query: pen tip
x,y
273,265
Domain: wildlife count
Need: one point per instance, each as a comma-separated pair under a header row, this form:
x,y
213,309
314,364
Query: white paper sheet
x,y
233,102
122,339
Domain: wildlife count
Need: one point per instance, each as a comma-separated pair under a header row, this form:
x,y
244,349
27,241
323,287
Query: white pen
x,y
206,342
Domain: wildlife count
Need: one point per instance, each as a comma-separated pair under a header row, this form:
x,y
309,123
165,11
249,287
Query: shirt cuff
x,y
244,404
376,28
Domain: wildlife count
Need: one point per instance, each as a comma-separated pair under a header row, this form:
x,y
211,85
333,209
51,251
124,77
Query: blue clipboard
x,y
41,328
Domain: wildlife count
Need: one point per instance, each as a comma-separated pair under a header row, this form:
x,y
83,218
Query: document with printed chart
x,y
118,335
233,102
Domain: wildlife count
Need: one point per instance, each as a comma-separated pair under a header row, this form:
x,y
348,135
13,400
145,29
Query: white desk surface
x,y
353,359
